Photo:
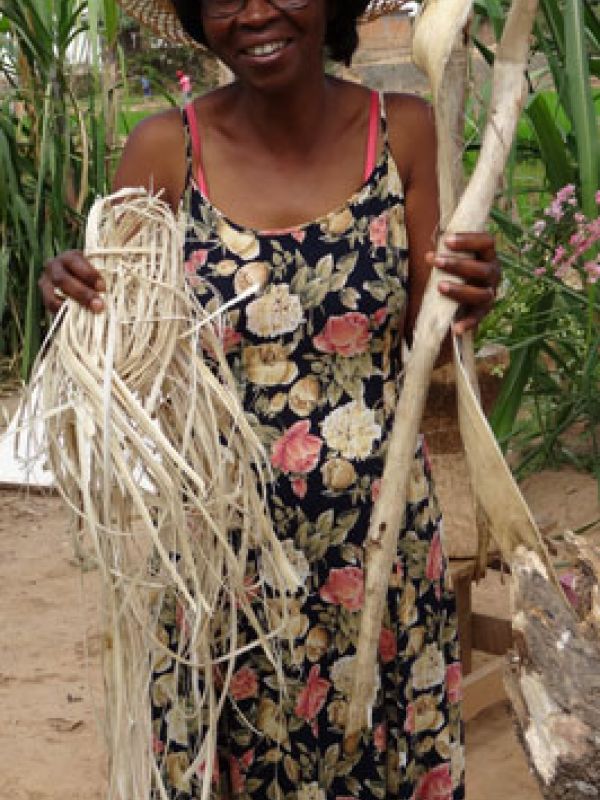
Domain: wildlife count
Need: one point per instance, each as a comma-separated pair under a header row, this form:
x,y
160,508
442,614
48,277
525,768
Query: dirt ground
x,y
50,684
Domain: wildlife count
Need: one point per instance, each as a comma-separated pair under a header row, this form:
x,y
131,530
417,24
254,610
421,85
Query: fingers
x,y
482,245
71,275
471,257
480,273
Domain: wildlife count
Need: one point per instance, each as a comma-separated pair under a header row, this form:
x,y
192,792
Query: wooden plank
x,y
483,688
491,634
462,577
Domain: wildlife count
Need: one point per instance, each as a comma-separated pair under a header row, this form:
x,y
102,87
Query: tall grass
x,y
55,149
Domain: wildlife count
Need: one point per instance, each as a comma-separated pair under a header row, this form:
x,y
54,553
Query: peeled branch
x,y
437,313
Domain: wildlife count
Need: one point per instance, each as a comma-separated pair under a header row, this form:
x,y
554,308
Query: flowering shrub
x,y
562,241
549,319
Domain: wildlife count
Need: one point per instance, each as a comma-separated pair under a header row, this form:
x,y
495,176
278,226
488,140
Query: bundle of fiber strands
x,y
150,448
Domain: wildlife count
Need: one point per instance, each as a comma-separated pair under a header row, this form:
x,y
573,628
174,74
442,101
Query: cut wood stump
x,y
553,679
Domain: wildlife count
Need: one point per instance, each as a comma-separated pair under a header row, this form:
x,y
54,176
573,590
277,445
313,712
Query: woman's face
x,y
267,47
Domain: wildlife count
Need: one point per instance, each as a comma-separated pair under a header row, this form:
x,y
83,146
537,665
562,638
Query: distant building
x,y
383,60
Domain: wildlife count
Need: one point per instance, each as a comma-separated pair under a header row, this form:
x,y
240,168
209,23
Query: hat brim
x,y
160,17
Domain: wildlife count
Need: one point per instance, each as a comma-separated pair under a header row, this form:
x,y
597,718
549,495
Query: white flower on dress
x,y
243,243
429,669
351,430
297,560
342,675
276,312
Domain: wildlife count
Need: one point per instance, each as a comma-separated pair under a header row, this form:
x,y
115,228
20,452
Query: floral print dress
x,y
317,357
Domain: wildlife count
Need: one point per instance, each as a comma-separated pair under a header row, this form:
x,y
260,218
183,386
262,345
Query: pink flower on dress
x,y
195,261
297,450
379,317
300,487
157,746
454,682
435,785
347,335
435,558
230,338
299,235
312,698
345,587
380,738
388,647
409,722
378,231
238,780
244,684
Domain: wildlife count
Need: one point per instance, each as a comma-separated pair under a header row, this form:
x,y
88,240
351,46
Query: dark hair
x,y
341,36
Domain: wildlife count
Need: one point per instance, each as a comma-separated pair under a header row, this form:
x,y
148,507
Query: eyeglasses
x,y
219,9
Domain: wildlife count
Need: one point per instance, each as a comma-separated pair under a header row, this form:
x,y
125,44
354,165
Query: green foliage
x,y
550,319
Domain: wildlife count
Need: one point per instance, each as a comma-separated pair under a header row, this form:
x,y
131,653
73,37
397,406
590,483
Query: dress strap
x,y
374,117
192,122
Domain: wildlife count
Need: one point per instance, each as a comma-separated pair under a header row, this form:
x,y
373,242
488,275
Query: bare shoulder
x,y
154,156
411,133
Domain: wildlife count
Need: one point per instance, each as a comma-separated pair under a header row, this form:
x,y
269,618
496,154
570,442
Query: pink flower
x,y
196,260
380,738
378,230
539,271
559,254
244,684
345,587
454,682
539,227
593,271
564,194
555,210
238,780
300,487
435,784
409,722
230,338
299,235
347,335
379,317
598,198
388,646
297,450
435,558
312,698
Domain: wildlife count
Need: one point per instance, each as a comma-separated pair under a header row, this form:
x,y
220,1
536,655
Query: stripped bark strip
x,y
151,448
432,326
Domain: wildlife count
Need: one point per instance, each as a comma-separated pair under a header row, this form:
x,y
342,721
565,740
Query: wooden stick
x,y
432,326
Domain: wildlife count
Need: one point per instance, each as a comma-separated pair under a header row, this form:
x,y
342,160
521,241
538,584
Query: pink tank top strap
x,y
371,154
190,112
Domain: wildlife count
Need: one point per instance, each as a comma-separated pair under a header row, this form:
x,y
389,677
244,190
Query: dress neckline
x,y
382,162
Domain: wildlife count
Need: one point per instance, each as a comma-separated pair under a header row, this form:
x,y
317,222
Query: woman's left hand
x,y
480,271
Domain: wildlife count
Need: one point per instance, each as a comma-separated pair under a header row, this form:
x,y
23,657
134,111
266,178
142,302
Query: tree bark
x,y
553,679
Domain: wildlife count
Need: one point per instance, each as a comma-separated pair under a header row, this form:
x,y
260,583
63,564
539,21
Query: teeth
x,y
266,49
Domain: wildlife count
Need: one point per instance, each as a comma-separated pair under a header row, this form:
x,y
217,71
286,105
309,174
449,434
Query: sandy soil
x,y
50,683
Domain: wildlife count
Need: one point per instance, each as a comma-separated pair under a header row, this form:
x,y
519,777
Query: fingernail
x,y
451,239
443,286
96,305
100,285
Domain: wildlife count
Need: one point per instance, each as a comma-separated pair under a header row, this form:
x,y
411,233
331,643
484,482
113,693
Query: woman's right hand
x,y
70,274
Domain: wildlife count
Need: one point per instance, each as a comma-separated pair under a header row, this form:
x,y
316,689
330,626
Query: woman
x,y
325,195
